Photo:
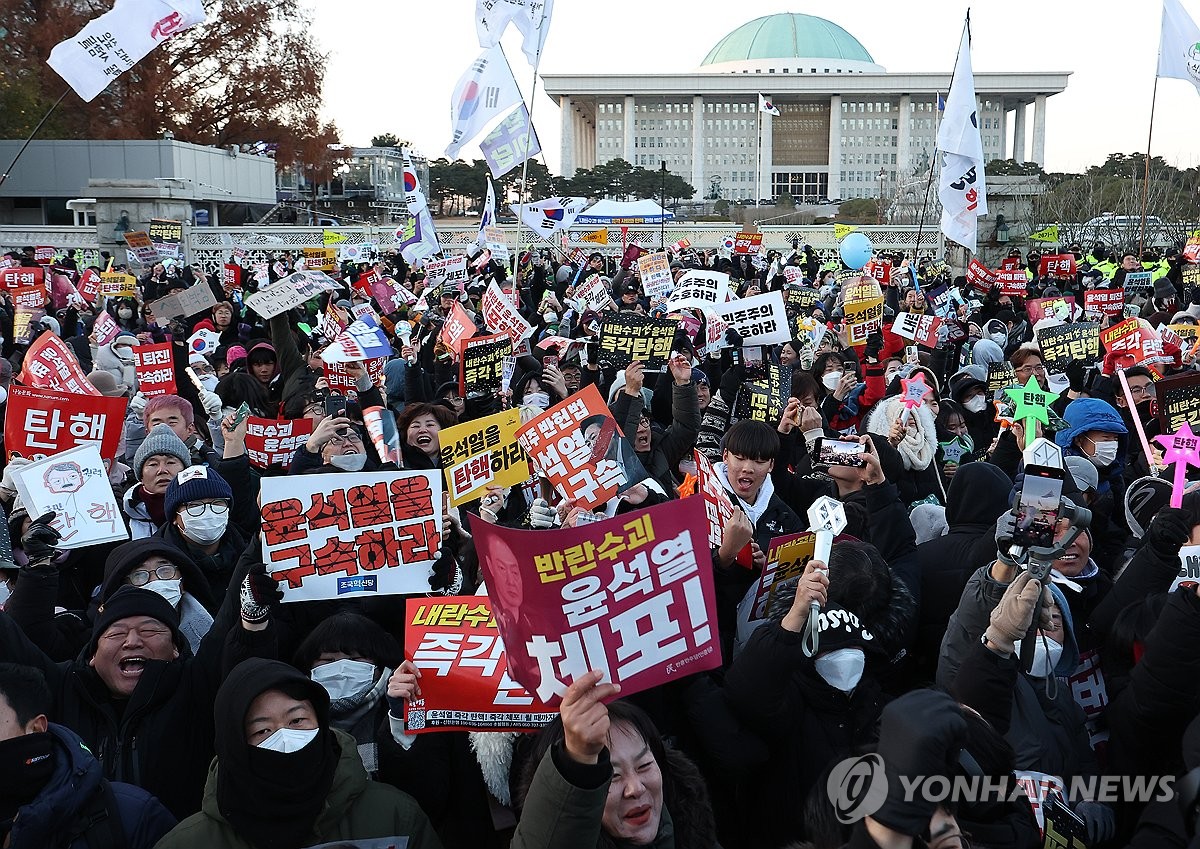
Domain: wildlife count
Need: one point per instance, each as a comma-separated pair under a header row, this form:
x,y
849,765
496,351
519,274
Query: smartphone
x,y
1038,506
911,357
838,452
549,361
241,414
335,405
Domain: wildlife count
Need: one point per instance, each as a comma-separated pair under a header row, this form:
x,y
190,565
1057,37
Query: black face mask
x,y
26,764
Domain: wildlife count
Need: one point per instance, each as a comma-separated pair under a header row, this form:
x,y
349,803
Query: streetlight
x,y
662,220
879,206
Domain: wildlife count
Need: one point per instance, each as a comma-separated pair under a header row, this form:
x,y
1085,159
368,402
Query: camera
x,y
838,452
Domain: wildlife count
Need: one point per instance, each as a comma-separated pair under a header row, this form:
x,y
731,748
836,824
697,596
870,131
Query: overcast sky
x,y
393,65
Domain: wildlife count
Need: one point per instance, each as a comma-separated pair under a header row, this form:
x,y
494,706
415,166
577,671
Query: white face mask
x,y
124,353
541,400
1000,339
344,678
1106,454
1046,654
209,382
976,404
891,375
125,314
205,528
842,669
831,380
172,591
288,740
349,462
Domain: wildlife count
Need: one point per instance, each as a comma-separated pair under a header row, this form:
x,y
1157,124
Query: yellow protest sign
x,y
320,259
786,558
600,237
117,285
332,237
1046,234
842,230
863,309
482,453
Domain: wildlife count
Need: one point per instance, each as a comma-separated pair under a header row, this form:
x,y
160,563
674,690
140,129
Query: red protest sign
x,y
465,685
747,243
29,297
457,329
16,278
1062,308
231,277
881,271
89,285
155,368
40,422
1191,251
1061,266
43,255
922,329
630,596
980,276
718,507
339,381
1012,282
50,364
272,443
1104,301
1010,264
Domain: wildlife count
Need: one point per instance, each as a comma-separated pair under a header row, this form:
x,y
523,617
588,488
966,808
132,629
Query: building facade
x,y
846,128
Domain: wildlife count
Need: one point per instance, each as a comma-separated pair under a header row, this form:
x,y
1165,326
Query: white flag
x,y
488,218
961,189
532,18
767,106
418,239
487,91
414,198
547,217
117,40
1179,48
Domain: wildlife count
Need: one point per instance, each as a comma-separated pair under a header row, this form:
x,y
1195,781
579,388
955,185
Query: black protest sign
x,y
798,300
1178,402
481,368
1064,829
765,401
1067,342
626,337
1001,375
1190,276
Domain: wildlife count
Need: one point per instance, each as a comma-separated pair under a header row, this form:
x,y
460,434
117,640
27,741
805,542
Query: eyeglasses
x,y
1026,369
197,508
1146,391
344,438
314,410
165,572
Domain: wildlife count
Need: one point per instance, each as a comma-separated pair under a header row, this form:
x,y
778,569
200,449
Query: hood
x,y
122,560
880,420
1070,654
1084,414
77,775
978,494
986,351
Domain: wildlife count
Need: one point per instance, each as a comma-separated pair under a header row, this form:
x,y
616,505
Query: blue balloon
x,y
856,250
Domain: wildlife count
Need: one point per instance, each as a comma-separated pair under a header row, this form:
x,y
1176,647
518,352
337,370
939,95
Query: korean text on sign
x,y
630,596
627,337
465,683
155,367
41,422
482,365
482,453
328,536
272,443
761,319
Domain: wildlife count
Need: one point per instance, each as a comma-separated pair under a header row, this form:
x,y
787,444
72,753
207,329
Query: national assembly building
x,y
846,128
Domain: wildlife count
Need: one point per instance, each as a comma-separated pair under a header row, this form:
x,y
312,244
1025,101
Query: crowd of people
x,y
156,691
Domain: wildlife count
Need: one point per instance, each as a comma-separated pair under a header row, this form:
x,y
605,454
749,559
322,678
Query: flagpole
x,y
1146,184
528,131
36,130
758,167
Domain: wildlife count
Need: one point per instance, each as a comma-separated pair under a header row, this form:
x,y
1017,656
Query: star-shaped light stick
x,y
826,519
1182,449
913,394
1032,402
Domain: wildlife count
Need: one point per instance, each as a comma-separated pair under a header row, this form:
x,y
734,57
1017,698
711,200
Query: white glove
x,y
541,514
137,404
212,403
8,484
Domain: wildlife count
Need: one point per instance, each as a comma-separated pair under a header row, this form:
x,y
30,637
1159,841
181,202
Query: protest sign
x,y
793,275
74,485
118,285
142,248
29,297
1139,282
105,329
43,254
481,453
594,293
356,254
89,285
922,329
155,368
718,507
1060,266
339,381
863,308
42,422
441,273
23,322
764,401
631,596
1104,302
20,277
502,316
760,320
715,328
880,271
1178,402
51,364
576,445
699,290
627,336
289,292
980,277
1191,251
655,271
1001,375
231,277
1013,282
1130,344
320,259
1066,342
482,363
271,442
351,534
1189,566
494,239
747,243
457,328
1062,308
800,300
203,342
465,685
167,238
184,303
786,558
362,340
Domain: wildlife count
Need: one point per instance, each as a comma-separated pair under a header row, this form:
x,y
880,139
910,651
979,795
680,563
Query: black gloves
x,y
874,346
1168,531
920,734
732,338
1076,372
259,591
38,542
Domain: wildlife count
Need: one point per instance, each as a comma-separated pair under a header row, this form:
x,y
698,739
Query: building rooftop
x,y
787,36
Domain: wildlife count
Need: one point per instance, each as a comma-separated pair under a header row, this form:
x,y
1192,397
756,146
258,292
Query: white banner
x,y
289,292
502,316
699,290
962,187
761,320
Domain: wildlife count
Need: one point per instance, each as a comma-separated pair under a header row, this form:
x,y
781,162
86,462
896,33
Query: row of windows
x,y
727,159
868,158
867,176
679,124
730,124
676,161
870,124
869,141
850,106
724,141
610,108
674,108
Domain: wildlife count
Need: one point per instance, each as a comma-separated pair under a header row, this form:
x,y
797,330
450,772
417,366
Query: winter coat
x,y
916,482
666,449
122,371
355,809
214,569
136,515
77,792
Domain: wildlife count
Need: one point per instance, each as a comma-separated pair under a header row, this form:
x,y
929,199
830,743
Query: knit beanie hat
x,y
235,353
160,440
134,601
194,484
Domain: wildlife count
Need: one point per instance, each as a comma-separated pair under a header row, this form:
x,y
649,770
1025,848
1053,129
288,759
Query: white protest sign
x,y
353,535
502,316
440,272
655,271
74,485
1189,565
594,293
761,319
714,333
290,292
793,274
699,290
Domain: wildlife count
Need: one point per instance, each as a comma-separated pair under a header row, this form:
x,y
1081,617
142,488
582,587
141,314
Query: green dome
x,y
787,36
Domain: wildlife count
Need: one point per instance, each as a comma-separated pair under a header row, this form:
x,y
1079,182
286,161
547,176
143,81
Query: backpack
x,y
99,822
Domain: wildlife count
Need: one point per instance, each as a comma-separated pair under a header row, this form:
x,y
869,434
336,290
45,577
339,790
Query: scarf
x,y
155,505
914,448
494,752
753,511
194,621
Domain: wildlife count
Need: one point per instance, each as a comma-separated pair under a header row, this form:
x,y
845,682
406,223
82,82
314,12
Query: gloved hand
x,y
39,540
8,484
541,514
732,338
1100,819
212,404
874,346
447,578
1006,526
259,591
137,404
1011,618
1076,372
1169,530
920,734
